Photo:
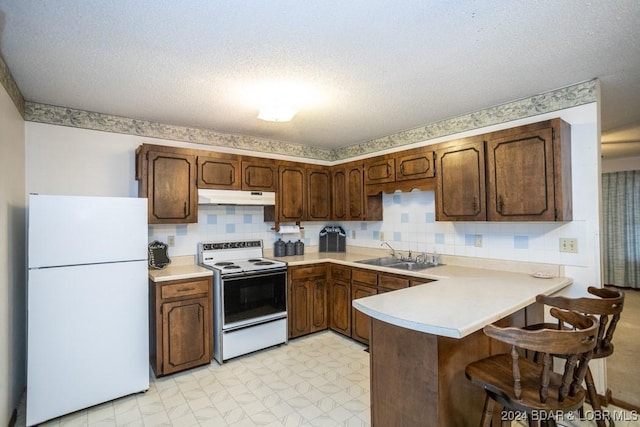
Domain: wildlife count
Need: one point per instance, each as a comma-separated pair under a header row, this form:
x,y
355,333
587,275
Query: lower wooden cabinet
x,y
321,295
308,311
180,320
360,322
340,299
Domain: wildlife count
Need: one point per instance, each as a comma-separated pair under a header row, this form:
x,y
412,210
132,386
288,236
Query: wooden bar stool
x,y
607,308
519,384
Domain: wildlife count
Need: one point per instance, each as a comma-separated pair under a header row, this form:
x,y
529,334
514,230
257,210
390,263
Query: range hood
x,y
236,197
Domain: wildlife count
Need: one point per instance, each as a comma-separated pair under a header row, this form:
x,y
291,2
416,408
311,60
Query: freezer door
x,y
88,337
72,230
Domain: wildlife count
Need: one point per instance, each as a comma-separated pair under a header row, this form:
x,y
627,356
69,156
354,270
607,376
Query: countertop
x,y
460,304
461,300
180,268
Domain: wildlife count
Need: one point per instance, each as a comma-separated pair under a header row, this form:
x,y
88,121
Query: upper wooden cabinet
x,y
415,164
259,174
529,173
318,193
518,174
167,177
339,193
219,170
355,191
292,206
379,170
460,183
402,166
349,201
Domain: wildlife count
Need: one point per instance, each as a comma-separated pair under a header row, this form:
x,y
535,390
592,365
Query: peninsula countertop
x,y
462,302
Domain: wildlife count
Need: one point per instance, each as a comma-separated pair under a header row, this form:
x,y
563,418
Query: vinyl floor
x,y
318,380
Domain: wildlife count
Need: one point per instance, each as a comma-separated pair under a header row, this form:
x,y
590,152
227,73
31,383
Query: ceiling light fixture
x,y
277,114
280,101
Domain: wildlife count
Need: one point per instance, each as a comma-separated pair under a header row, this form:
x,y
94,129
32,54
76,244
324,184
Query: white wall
x,y
12,258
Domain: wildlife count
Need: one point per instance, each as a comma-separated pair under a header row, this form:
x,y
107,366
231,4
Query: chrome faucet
x,y
393,251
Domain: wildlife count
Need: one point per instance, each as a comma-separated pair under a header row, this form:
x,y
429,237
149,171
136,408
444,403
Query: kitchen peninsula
x,y
423,337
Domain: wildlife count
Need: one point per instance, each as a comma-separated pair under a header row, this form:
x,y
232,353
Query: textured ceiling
x,y
376,67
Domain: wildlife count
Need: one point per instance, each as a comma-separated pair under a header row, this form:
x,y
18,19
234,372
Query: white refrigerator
x,y
87,302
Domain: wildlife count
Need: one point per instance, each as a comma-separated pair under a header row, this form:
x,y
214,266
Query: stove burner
x,y
255,260
230,267
223,263
262,262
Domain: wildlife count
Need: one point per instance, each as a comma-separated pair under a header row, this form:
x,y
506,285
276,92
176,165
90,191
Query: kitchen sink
x,y
393,262
384,261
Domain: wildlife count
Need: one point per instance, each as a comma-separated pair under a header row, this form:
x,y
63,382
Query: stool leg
x,y
487,411
593,397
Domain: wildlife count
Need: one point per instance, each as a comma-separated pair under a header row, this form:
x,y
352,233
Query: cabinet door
x,y
339,194
172,191
318,194
521,176
355,193
461,194
185,334
221,171
417,165
259,175
292,193
379,170
360,322
340,307
299,308
319,320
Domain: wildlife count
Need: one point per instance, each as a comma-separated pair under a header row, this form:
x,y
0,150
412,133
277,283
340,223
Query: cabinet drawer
x,y
182,289
364,276
392,282
340,272
308,272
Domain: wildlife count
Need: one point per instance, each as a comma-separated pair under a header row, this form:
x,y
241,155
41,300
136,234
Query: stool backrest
x,y
607,308
576,345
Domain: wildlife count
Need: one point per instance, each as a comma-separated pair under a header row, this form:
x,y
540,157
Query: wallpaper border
x,y
559,99
10,85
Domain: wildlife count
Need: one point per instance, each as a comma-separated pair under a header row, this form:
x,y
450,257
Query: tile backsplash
x,y
409,224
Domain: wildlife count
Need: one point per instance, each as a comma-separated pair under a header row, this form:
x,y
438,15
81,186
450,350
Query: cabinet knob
x,y
185,208
500,204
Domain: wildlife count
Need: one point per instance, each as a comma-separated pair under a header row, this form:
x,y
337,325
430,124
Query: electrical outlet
x,y
171,240
478,242
381,235
353,234
569,245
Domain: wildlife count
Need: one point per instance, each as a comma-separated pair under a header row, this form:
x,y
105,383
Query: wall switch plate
x,y
353,234
478,242
171,240
569,245
381,235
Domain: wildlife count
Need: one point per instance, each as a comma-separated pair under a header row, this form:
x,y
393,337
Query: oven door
x,y
253,298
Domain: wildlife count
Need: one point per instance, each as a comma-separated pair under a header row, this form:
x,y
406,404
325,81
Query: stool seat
x,y
494,375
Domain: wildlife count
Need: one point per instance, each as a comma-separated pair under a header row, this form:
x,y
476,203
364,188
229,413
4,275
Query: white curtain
x,y
621,217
